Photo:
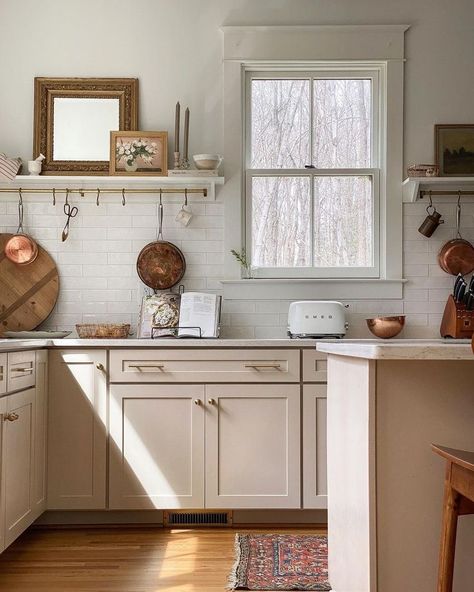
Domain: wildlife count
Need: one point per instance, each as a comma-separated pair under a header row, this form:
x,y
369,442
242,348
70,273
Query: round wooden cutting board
x,y
28,293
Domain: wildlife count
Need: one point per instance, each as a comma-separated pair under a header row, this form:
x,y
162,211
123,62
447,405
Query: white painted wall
x,y
174,48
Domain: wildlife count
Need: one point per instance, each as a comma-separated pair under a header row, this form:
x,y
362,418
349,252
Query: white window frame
x,y
287,47
318,71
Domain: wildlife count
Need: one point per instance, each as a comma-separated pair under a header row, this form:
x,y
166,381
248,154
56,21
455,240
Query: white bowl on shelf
x,y
207,162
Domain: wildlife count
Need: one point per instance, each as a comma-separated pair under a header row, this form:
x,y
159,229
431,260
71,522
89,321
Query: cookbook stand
x,y
173,333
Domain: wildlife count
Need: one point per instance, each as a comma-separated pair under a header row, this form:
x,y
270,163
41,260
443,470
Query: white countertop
x,y
400,349
19,344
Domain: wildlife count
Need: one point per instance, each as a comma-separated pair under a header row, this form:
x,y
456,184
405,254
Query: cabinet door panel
x,y
314,446
77,425
253,446
18,459
156,451
40,444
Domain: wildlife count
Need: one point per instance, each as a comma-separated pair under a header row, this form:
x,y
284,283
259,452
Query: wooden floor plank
x,y
121,560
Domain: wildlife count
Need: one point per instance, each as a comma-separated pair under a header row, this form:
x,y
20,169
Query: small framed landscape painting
x,y
455,150
138,153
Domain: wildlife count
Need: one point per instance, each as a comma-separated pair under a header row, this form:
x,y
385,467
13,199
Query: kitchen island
x,y
387,402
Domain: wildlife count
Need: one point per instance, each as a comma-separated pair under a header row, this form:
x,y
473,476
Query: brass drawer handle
x,y
11,417
29,370
100,367
197,401
159,366
212,401
264,366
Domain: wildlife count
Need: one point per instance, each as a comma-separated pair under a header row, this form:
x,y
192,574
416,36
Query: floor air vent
x,y
180,518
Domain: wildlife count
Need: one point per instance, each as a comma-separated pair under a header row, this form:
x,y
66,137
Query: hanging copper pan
x,y
160,264
457,255
21,249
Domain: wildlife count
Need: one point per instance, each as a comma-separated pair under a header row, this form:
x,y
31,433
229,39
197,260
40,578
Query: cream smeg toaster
x,y
316,319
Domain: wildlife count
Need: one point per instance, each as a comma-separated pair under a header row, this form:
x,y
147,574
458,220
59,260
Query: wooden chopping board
x,y
28,293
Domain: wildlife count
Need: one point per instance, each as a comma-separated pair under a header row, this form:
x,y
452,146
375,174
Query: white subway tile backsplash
x,y
414,295
421,307
253,320
81,283
239,306
203,246
107,270
107,222
416,270
97,264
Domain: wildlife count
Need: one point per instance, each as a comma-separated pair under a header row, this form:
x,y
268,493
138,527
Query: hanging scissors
x,y
71,212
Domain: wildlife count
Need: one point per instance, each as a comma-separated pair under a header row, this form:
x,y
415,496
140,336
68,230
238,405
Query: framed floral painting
x,y
138,153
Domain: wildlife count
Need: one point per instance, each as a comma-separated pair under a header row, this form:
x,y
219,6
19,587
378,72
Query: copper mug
x,y
430,223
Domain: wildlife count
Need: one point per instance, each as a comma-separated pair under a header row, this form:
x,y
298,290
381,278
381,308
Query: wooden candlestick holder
x,y
457,322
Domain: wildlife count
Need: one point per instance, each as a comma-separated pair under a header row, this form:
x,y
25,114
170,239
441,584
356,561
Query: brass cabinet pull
x,y
159,366
29,370
197,401
100,367
11,416
265,366
212,401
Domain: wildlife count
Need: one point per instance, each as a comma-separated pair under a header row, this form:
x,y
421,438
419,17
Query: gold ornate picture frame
x,y
98,104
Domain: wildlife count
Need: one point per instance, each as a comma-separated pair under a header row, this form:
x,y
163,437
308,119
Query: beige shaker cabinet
x,y
18,463
166,441
156,448
253,446
77,426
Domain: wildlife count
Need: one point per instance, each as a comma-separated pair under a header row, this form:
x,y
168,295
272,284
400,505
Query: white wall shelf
x,y
29,182
413,185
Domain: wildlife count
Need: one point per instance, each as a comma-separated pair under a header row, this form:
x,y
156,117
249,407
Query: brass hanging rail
x,y
427,193
83,192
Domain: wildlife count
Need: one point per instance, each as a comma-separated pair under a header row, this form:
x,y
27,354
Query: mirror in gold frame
x,y
73,119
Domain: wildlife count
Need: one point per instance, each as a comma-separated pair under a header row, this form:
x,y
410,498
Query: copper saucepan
x,y
21,249
457,255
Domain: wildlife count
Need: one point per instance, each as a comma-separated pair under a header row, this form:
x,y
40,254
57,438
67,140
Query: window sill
x,y
304,289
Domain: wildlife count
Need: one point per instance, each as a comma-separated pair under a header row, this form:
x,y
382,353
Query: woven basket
x,y
423,170
103,331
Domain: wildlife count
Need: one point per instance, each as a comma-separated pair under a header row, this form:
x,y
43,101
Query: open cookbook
x,y
190,314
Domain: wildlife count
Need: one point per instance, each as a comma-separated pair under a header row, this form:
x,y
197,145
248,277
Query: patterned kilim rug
x,y
280,562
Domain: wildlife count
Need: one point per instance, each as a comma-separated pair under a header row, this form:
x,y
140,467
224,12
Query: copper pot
x,y
386,327
457,255
21,249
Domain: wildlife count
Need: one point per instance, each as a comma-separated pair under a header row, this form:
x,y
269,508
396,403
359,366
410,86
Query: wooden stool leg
x,y
448,535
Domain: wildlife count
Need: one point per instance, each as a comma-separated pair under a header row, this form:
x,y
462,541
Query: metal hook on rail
x,y
97,199
185,196
66,201
430,208
123,196
54,196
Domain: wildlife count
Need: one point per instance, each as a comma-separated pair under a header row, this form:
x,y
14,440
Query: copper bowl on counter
x,y
386,327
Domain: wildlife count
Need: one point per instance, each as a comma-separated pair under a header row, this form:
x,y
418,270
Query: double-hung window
x,y
312,168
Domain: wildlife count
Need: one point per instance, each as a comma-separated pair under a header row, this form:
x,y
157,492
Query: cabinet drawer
x,y
3,374
314,366
201,365
21,370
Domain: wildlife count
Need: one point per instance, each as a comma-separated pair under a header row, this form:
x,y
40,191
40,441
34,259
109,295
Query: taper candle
x,y
186,133
176,128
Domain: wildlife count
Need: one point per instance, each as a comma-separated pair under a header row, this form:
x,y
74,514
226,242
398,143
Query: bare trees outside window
x,y
311,175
